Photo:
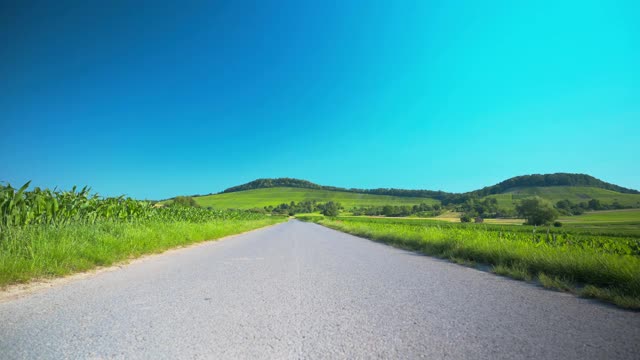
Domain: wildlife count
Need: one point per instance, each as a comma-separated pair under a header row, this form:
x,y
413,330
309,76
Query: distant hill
x,y
304,184
548,180
553,187
575,194
535,180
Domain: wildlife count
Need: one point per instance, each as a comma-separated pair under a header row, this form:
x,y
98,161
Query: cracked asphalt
x,y
302,291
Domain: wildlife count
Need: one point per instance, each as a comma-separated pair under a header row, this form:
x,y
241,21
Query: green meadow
x,y
607,216
625,221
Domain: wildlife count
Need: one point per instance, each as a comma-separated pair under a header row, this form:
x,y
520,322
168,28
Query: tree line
x,y
329,208
421,210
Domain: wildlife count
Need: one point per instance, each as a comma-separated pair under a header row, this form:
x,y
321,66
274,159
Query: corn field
x,y
21,207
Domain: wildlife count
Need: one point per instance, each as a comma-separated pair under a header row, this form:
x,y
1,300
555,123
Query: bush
x,y
557,224
184,201
479,220
331,209
465,218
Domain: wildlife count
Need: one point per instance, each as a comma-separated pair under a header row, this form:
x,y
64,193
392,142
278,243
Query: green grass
x,y
562,260
48,251
625,222
276,196
575,194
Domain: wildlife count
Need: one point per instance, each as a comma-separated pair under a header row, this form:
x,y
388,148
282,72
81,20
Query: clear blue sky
x,y
192,97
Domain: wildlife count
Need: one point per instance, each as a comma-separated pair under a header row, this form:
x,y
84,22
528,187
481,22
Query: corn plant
x,y
20,208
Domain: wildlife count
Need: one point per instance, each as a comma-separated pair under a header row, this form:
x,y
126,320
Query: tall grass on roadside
x,y
41,251
596,268
51,233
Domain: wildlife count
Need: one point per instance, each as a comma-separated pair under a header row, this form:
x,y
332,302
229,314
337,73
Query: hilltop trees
x,y
544,180
304,184
536,211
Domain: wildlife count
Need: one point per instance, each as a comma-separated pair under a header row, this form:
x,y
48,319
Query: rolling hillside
x,y
554,187
576,194
277,195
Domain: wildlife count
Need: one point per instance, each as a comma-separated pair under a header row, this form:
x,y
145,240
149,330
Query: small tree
x,y
388,210
184,201
594,204
536,211
331,209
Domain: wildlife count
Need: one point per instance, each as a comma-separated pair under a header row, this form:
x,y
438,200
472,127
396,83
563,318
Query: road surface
x,y
299,290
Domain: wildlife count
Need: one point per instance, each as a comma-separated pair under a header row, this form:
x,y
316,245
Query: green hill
x,y
551,180
277,195
576,194
577,188
304,184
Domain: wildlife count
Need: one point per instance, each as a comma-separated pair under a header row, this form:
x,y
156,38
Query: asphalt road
x,y
299,290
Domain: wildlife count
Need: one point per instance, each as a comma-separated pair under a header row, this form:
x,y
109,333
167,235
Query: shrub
x,y
557,224
184,201
331,209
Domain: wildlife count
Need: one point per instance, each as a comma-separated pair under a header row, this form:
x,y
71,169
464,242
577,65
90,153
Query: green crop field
x,y
575,194
609,216
626,221
590,264
274,196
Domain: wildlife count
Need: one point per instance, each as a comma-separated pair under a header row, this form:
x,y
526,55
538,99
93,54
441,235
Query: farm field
x,y
608,216
588,263
274,196
454,217
626,221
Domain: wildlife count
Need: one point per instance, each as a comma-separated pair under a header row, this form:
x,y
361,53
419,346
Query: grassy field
x,y
275,196
46,233
609,216
625,221
603,266
611,222
575,194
